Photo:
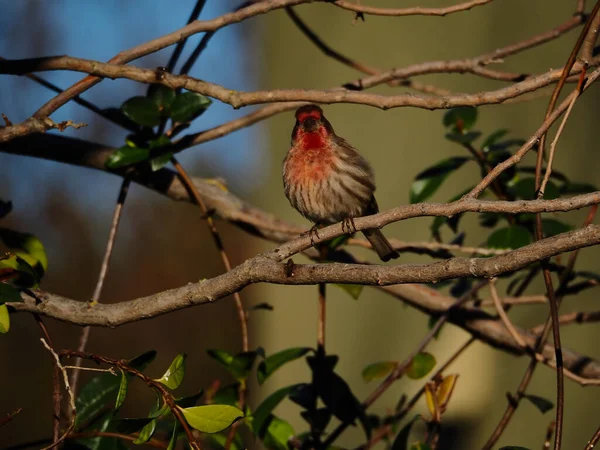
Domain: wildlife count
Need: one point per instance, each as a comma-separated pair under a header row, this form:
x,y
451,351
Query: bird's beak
x,y
310,124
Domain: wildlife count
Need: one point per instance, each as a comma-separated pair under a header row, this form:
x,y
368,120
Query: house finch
x,y
327,180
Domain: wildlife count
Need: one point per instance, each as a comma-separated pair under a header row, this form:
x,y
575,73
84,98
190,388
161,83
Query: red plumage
x,y
327,180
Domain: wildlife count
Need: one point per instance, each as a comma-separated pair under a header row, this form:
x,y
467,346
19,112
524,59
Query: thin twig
x,y
558,134
595,439
10,416
56,391
85,333
65,377
503,316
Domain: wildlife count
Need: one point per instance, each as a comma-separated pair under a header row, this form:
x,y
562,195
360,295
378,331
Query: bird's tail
x,y
381,245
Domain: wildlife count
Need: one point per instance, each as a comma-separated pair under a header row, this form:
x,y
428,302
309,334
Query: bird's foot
x,y
312,233
348,225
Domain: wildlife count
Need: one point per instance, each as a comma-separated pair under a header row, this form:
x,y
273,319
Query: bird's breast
x,y
309,165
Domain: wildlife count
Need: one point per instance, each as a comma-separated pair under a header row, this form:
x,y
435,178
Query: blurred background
x,y
163,244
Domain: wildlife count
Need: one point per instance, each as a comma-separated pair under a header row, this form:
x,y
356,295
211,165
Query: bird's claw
x,y
348,225
312,234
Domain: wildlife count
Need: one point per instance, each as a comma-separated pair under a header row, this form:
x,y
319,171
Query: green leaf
x,y
162,96
421,365
492,139
100,390
126,156
189,400
131,425
461,119
466,138
353,290
28,243
211,418
160,161
428,181
577,188
188,106
552,227
227,395
146,432
401,441
4,319
267,367
173,377
174,436
142,110
525,189
278,434
263,411
239,365
9,294
541,403
377,370
509,237
122,393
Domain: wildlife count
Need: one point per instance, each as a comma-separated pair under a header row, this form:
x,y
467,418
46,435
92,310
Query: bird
x,y
329,181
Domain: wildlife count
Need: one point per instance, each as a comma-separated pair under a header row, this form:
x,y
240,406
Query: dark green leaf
x,y
338,241
105,423
129,426
28,243
278,434
227,395
461,119
577,188
509,237
122,392
264,410
304,395
267,367
353,290
146,433
126,156
492,139
552,227
378,370
174,436
401,441
160,161
190,400
5,208
142,110
554,174
502,146
421,365
525,189
541,403
4,320
334,391
211,418
162,96
466,138
239,365
488,220
318,419
427,182
9,294
174,375
188,106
